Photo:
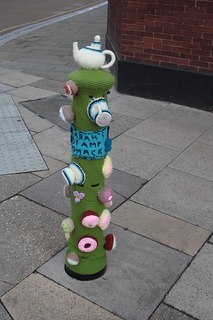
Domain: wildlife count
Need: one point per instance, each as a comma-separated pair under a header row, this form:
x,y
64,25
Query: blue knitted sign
x,y
90,144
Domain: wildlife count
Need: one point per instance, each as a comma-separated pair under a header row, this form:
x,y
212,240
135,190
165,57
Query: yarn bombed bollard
x,y
90,165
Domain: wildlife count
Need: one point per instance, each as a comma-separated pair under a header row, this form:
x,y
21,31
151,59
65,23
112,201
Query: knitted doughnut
x,y
87,244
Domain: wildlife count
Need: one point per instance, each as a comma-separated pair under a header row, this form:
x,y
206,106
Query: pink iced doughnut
x,y
87,244
90,219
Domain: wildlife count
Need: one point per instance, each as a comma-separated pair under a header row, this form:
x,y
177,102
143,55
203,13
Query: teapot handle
x,y
112,61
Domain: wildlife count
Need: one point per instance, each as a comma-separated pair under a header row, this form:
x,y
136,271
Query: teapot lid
x,y
95,45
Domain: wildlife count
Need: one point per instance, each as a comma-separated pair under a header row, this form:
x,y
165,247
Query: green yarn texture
x,y
91,84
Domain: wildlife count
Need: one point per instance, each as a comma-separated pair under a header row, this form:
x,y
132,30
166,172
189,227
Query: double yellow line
x,y
49,17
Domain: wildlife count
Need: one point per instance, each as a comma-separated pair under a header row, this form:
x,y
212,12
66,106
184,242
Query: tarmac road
x,y
16,14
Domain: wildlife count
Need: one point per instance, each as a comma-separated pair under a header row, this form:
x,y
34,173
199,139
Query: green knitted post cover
x,y
87,244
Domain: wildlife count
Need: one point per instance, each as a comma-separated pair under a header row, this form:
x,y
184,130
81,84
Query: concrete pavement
x,y
162,215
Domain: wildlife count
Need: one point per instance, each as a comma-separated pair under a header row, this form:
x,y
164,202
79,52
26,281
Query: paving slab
x,y
17,79
12,124
165,312
193,293
19,154
180,195
5,88
52,85
52,75
34,122
13,183
207,137
4,314
8,107
121,123
49,193
139,274
27,65
31,93
160,227
50,302
54,143
124,183
197,159
30,234
211,239
49,109
136,107
152,159
173,127
53,166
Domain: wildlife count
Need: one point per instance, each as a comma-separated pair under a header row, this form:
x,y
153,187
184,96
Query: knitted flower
x,y
78,196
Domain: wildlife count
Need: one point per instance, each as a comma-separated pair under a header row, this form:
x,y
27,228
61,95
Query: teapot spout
x,y
75,51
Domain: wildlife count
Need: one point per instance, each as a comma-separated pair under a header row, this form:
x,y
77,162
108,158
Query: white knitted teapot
x,y
92,57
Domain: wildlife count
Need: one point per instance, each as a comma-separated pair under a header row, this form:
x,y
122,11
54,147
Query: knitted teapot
x,y
92,57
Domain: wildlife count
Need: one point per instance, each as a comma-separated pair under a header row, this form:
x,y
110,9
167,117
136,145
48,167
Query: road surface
x,y
15,14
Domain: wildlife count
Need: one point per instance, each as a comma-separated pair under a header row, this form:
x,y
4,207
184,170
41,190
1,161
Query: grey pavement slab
x,y
49,193
124,183
211,239
121,123
8,107
193,292
38,298
52,85
140,158
139,274
4,314
54,143
180,195
13,183
49,109
17,79
19,154
5,88
197,159
51,75
12,124
136,107
173,127
165,312
31,93
18,150
160,227
27,65
34,122
30,234
53,166
207,137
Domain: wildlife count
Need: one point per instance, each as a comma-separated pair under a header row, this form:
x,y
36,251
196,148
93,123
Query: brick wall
x,y
171,33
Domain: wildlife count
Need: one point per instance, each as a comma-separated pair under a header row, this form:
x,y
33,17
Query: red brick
x,y
179,61
159,58
205,4
199,64
162,35
181,50
152,40
180,31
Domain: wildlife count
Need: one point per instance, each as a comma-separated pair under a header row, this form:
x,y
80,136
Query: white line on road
x,y
22,31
